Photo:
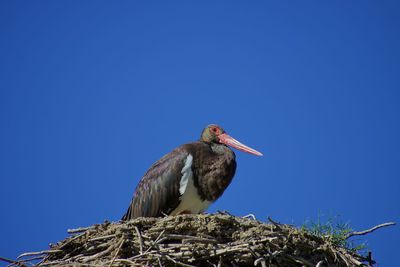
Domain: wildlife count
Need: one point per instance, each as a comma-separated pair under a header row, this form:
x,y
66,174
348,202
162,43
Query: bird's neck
x,y
219,148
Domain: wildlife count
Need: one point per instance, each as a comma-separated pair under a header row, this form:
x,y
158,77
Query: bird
x,y
189,178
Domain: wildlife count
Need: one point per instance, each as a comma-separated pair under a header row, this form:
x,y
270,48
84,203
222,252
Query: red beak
x,y
230,141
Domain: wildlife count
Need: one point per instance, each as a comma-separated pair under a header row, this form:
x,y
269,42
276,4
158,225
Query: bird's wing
x,y
158,191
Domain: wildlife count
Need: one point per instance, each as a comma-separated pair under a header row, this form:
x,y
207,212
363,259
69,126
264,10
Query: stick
x,y
78,230
250,216
277,225
140,240
116,254
370,230
262,261
72,239
126,261
38,253
177,262
154,243
371,262
98,255
13,262
189,238
101,237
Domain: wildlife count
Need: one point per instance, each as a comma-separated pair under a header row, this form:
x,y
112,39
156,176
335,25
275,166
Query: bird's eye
x,y
214,129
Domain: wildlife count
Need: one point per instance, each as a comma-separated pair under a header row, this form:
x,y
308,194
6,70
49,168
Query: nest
x,y
193,240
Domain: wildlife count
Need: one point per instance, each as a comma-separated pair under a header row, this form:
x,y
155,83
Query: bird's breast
x,y
214,170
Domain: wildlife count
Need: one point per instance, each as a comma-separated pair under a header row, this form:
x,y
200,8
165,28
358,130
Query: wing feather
x,y
158,191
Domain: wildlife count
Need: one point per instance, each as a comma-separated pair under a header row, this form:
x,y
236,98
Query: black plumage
x,y
212,168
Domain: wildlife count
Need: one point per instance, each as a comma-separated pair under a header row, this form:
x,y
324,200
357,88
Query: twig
x,y
72,239
140,240
63,263
250,216
17,263
220,262
159,262
102,237
188,238
224,212
98,255
371,262
116,254
277,225
40,257
155,241
126,261
78,230
39,253
260,260
178,262
370,230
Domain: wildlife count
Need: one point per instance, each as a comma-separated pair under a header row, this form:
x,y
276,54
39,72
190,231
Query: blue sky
x,y
93,92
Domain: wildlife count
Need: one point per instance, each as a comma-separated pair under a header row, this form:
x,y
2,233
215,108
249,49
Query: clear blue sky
x,y
93,92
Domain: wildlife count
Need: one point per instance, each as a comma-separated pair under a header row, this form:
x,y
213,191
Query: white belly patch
x,y
190,199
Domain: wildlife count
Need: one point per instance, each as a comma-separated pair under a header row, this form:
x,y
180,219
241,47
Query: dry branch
x,y
370,230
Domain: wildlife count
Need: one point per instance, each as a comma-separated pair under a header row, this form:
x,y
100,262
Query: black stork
x,y
188,179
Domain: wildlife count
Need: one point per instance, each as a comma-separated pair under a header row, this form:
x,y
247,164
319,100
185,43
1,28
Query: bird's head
x,y
215,134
